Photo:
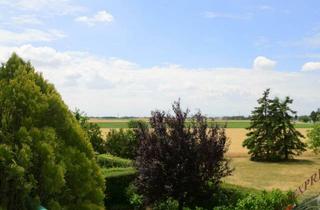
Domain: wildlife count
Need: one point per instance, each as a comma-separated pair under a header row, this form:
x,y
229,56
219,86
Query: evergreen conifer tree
x,y
45,156
272,136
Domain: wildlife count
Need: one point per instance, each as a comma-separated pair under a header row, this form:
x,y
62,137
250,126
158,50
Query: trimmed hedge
x,y
117,183
110,161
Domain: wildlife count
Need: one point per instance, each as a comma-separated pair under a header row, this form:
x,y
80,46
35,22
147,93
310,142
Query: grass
x,y
110,161
260,175
112,172
230,124
267,176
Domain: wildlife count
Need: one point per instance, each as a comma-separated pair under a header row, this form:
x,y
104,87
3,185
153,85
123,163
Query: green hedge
x,y
117,182
110,161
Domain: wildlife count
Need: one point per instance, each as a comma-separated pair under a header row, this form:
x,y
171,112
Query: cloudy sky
x,y
127,57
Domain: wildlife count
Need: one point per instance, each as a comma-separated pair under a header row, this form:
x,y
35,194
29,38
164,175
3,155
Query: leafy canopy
x,y
93,131
45,156
178,159
314,138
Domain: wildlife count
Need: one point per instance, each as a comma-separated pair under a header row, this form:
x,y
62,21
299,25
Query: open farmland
x,y
123,123
262,175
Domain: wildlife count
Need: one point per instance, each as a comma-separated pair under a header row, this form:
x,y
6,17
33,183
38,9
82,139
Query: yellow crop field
x,y
261,175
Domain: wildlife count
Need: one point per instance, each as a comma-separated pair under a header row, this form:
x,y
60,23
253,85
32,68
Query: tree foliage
x,y
137,123
315,116
178,159
304,118
122,143
45,157
272,136
314,138
93,131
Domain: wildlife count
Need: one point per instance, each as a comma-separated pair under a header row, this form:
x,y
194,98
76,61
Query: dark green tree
x,y
260,134
93,131
314,138
45,156
287,139
315,116
304,118
122,143
137,123
272,136
178,159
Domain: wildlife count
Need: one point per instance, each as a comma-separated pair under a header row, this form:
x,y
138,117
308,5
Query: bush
x,y
138,124
117,182
178,160
122,143
93,131
273,200
171,204
135,199
110,161
314,138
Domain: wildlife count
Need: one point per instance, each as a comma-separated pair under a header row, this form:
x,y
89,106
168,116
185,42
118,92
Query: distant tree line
x,y
313,117
237,117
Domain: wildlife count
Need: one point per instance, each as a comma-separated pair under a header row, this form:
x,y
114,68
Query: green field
x,y
230,124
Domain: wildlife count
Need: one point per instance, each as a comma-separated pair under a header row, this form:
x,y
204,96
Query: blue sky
x,y
124,52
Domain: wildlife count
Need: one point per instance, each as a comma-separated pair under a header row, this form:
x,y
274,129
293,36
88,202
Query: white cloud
x,y
311,66
99,17
26,20
263,63
111,86
222,15
29,36
49,7
265,7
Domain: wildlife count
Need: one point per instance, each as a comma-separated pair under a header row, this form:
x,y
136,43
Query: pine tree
x,y
272,136
45,156
260,131
287,138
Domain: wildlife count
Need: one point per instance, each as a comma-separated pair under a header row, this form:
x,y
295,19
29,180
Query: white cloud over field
x,y
99,17
29,35
112,86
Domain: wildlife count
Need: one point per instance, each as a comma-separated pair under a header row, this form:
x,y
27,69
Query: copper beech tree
x,y
180,159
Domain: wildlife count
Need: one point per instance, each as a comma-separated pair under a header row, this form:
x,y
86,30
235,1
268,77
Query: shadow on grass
x,y
298,162
313,161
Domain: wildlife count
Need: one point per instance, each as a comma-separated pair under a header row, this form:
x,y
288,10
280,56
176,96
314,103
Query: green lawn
x,y
267,176
230,124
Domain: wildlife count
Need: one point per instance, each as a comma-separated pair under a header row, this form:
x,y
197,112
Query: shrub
x,y
135,199
273,200
122,143
171,204
117,182
178,160
314,138
110,161
92,130
137,124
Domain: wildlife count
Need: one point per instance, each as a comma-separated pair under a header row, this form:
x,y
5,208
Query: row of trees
x,y
313,117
